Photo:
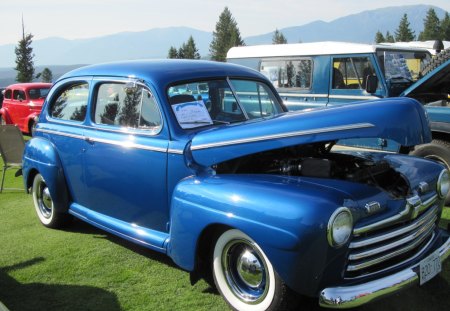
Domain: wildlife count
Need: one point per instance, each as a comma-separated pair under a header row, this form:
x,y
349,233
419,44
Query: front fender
x,y
40,156
283,215
5,115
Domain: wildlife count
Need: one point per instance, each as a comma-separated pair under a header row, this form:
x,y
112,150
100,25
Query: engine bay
x,y
318,161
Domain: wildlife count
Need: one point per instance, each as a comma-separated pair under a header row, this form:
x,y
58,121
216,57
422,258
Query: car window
x,y
8,94
288,74
351,72
125,105
71,103
204,103
38,93
19,95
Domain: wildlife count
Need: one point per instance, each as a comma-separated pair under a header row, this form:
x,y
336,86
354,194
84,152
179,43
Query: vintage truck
x,y
324,74
202,161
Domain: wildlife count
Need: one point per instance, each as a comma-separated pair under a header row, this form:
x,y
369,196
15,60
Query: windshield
x,y
211,102
403,65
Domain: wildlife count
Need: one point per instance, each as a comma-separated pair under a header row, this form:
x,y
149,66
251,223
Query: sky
x,y
76,19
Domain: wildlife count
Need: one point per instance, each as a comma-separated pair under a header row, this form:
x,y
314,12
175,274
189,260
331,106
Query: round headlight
x,y
340,227
443,184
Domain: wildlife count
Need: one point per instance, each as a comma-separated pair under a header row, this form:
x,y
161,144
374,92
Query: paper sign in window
x,y
192,114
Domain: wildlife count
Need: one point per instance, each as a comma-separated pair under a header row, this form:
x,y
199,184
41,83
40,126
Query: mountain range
x,y
155,43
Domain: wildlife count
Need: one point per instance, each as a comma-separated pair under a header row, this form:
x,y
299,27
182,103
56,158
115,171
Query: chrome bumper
x,y
356,295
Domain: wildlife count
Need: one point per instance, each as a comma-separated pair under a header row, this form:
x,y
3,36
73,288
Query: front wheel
x,y
244,275
43,203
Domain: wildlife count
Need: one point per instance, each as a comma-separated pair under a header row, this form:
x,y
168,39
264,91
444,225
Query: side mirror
x,y
371,84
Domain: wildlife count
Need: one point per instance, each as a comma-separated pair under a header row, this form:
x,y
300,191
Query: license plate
x,y
429,267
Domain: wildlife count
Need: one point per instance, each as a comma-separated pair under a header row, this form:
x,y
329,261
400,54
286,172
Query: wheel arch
x,y
41,157
200,211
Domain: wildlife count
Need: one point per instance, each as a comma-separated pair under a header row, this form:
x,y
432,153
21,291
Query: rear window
x,y
71,104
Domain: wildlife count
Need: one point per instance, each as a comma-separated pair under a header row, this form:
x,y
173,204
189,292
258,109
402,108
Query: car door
x,y
19,107
348,78
125,159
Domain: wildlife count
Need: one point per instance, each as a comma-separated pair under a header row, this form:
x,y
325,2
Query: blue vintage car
x,y
200,160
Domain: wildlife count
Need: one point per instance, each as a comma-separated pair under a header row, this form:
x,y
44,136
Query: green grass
x,y
83,268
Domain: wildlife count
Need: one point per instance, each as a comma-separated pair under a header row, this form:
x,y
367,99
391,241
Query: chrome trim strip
x,y
284,135
394,244
400,215
365,264
356,295
303,95
175,151
126,144
353,97
386,236
60,133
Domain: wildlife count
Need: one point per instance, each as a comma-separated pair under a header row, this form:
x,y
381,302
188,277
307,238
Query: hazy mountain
x,y
155,43
360,27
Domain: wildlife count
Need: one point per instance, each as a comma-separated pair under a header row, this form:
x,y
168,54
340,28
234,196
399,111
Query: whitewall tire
x,y
244,275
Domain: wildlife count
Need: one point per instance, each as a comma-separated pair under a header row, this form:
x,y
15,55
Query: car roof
x,y
310,49
29,85
162,72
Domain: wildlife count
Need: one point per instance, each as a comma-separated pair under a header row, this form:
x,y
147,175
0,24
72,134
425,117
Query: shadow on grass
x,y
40,296
78,226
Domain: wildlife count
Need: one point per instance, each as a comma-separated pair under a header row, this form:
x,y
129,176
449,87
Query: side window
x,y
8,94
71,103
256,98
288,74
18,95
118,104
351,72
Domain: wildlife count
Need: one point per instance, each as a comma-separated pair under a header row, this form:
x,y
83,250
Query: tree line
x,y
227,35
433,29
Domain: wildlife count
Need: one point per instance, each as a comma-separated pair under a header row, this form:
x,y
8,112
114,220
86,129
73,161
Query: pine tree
x,y
379,38
445,27
24,58
389,38
225,36
46,75
431,27
190,51
404,32
173,53
278,37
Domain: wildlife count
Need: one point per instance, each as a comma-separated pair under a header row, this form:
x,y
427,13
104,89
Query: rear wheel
x,y
44,205
438,150
244,275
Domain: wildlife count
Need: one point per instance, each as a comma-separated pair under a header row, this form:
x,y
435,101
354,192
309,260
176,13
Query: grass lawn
x,y
83,268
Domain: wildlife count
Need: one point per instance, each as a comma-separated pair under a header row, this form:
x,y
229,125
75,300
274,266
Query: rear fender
x,y
49,166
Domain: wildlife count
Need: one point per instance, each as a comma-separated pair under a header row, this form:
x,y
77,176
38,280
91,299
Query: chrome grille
x,y
393,241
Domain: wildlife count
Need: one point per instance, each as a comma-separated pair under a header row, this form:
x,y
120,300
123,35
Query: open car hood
x,y
400,119
432,84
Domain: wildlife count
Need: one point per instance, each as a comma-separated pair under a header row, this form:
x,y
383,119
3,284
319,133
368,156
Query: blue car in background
x,y
201,161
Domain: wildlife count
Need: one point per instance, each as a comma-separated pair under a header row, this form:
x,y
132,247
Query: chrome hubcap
x,y
44,199
249,269
245,271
